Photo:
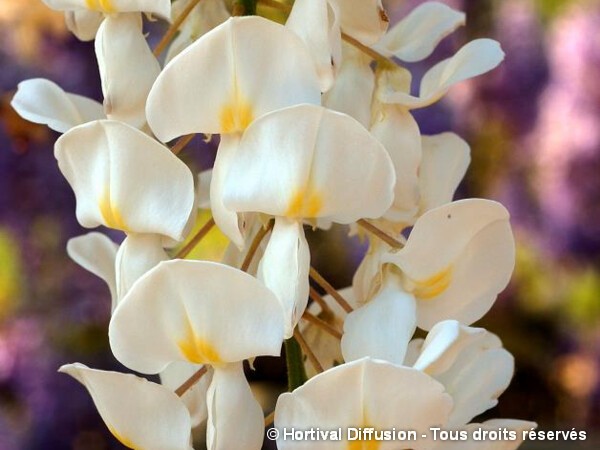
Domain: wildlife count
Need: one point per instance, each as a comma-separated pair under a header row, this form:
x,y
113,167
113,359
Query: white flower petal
x,y
137,255
204,182
83,23
161,8
195,397
205,16
382,328
42,101
125,180
307,162
364,20
399,133
235,73
363,393
352,91
235,419
96,253
473,59
443,344
457,259
139,413
317,24
415,37
445,160
228,221
195,311
284,269
127,68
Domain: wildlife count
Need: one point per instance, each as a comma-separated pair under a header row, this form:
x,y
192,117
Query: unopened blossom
x,y
470,362
364,393
415,37
305,163
42,101
127,68
237,72
320,23
139,413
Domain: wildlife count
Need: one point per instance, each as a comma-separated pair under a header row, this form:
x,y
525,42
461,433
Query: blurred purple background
x,y
534,127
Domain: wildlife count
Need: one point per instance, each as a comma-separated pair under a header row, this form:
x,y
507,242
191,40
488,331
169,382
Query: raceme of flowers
x,y
315,126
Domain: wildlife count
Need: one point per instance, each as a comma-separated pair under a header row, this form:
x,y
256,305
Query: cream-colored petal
x,y
205,16
478,377
238,71
137,412
284,269
444,342
473,59
83,23
125,180
308,162
161,8
363,393
127,68
317,24
415,37
445,160
235,419
364,20
457,259
195,397
382,328
195,311
42,101
96,253
137,255
228,221
399,133
352,91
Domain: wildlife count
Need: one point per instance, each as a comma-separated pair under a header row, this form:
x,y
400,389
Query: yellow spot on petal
x,y
105,6
110,212
364,444
434,285
305,203
122,439
196,349
236,116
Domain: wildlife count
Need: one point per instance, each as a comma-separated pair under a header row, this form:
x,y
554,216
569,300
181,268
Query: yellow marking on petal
x,y
434,285
236,116
122,439
105,6
364,444
195,349
110,213
305,203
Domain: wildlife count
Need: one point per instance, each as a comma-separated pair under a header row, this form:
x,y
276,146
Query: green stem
x,y
295,364
244,7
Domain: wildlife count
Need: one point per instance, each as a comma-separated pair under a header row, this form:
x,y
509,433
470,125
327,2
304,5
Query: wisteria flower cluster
x,y
315,126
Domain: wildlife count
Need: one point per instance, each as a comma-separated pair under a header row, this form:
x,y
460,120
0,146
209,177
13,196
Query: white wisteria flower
x,y
305,163
364,393
202,313
235,73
